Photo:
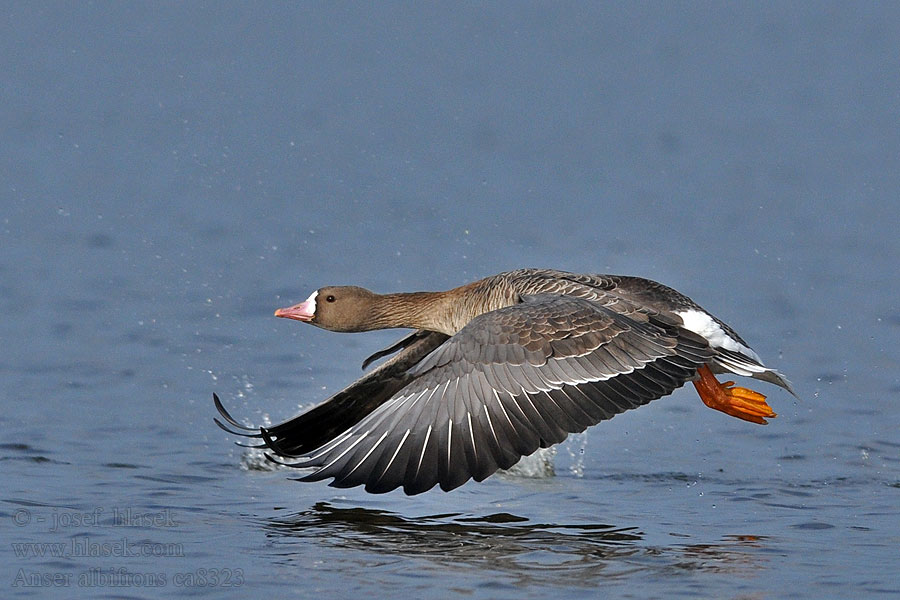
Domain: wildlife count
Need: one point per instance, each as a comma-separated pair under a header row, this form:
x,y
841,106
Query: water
x,y
173,173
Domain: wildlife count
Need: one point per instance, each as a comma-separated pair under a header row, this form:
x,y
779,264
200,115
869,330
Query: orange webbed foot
x,y
739,402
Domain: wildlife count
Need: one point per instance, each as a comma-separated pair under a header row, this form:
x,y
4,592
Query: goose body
x,y
500,367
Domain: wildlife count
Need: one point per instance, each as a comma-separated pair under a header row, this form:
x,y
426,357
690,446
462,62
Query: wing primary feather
x,y
524,438
457,471
227,429
321,472
449,442
360,462
487,415
250,431
505,454
472,435
422,455
550,432
393,457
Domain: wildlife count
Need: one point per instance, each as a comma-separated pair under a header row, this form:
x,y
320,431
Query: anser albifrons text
x,y
499,368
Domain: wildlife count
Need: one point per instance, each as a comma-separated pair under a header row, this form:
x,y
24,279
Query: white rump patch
x,y
703,325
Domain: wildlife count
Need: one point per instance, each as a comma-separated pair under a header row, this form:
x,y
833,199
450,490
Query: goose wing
x,y
313,428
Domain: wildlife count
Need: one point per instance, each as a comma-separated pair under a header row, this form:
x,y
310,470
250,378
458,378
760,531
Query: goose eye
x,y
329,298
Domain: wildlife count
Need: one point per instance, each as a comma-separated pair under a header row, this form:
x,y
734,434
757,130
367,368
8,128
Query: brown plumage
x,y
499,368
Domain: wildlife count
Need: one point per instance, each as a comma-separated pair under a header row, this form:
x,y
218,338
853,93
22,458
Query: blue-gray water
x,y
173,172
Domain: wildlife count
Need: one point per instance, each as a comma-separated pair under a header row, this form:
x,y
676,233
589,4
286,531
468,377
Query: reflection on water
x,y
512,547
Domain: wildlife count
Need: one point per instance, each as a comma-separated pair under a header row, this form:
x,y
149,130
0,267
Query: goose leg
x,y
738,402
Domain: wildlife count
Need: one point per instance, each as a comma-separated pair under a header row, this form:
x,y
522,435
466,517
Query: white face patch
x,y
311,302
703,325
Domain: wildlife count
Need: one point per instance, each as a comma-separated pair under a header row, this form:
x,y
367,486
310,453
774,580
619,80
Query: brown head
x,y
336,308
349,308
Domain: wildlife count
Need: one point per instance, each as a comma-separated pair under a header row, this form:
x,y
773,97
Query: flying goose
x,y
500,367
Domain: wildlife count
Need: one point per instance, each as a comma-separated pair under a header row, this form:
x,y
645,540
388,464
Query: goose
x,y
500,367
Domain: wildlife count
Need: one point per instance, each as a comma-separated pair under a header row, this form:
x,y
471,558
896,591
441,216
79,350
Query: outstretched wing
x,y
509,382
322,423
